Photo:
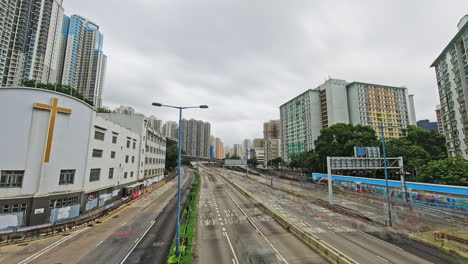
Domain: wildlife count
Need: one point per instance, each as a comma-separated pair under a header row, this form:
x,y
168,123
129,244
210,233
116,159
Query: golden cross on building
x,y
54,109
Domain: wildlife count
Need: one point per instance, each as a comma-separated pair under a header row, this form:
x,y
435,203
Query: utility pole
x,y
389,209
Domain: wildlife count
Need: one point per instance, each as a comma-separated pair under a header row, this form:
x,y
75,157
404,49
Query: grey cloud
x,y
246,58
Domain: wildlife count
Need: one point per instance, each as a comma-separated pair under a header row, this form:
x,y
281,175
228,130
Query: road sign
x,y
367,152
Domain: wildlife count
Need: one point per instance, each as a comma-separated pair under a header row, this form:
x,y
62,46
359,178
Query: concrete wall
x,y
23,141
353,106
314,122
106,162
337,101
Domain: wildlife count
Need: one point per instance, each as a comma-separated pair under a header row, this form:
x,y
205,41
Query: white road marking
x,y
232,248
224,229
137,241
382,259
256,228
99,243
53,245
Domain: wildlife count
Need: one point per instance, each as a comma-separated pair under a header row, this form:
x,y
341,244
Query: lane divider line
x,y
137,241
232,248
51,246
256,228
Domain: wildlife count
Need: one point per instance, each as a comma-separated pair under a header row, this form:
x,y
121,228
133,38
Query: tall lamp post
x,y
179,157
389,209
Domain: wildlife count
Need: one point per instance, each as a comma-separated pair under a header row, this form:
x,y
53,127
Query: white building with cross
x,y
59,159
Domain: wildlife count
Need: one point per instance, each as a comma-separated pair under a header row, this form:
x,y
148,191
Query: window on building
x,y
112,154
133,159
11,178
62,202
114,138
125,175
111,173
126,158
94,175
131,174
134,145
67,177
99,135
97,153
12,208
128,143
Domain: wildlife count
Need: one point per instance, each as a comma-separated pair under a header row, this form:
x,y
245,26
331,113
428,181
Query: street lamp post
x,y
389,209
179,157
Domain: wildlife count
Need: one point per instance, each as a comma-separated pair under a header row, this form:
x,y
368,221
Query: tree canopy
x,y
414,156
452,171
417,147
340,139
58,87
276,162
430,141
253,162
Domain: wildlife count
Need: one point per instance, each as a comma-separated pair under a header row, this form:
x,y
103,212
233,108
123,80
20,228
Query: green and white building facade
x,y
337,101
451,68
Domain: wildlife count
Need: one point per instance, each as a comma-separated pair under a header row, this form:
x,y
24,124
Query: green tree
x,y
414,156
340,139
306,160
452,171
234,157
103,110
58,87
276,162
171,157
432,142
253,162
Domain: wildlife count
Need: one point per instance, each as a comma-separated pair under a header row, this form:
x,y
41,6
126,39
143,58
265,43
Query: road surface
x,y
232,230
111,240
360,240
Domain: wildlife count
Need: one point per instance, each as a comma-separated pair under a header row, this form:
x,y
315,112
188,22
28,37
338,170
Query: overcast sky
x,y
246,58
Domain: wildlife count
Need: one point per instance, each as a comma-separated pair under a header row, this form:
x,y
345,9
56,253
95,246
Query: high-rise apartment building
x,y
170,129
452,80
258,147
238,150
272,129
337,101
128,110
84,61
196,137
30,40
428,125
439,119
156,123
228,151
272,137
246,145
219,149
272,149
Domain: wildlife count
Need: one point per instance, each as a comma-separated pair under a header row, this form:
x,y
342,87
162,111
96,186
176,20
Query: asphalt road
x,y
419,219
232,230
155,245
107,242
360,240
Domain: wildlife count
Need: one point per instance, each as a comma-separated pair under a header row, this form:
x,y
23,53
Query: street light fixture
x,y
389,208
179,157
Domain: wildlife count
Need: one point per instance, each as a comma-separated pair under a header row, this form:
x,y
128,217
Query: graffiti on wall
x,y
417,196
